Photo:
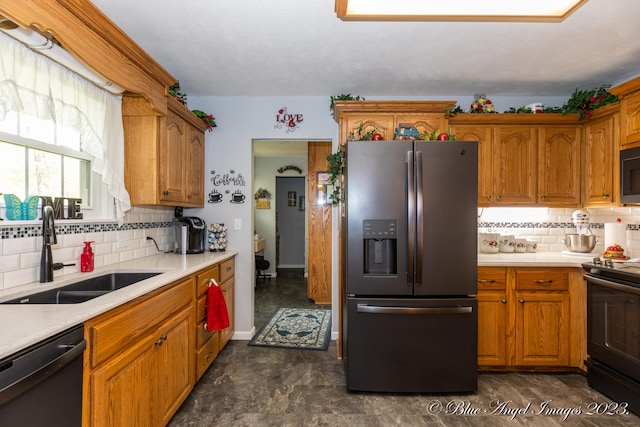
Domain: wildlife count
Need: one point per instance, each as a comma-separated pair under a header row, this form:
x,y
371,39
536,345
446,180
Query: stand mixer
x,y
583,242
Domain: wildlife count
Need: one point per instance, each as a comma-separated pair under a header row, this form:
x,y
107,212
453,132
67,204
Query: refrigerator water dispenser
x,y
380,246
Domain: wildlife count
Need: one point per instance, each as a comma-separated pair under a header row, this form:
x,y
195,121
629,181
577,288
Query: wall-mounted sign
x,y
228,182
287,120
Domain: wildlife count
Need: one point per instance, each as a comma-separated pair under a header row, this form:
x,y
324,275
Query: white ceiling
x,y
300,47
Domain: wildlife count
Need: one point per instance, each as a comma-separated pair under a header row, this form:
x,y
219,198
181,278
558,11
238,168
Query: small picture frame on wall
x,y
323,185
292,199
301,203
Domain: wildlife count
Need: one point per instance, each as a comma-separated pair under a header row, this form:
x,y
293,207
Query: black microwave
x,y
630,175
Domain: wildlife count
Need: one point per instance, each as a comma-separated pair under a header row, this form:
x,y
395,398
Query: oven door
x,y
613,325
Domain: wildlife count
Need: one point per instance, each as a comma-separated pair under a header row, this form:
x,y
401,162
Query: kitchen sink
x,y
83,290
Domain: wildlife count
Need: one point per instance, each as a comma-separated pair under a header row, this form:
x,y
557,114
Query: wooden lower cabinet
x,y
530,318
209,343
140,359
492,316
144,357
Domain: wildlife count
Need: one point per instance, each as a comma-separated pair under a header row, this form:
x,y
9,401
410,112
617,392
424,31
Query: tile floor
x,y
256,386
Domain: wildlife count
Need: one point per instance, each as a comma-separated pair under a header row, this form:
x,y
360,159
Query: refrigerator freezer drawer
x,y
412,345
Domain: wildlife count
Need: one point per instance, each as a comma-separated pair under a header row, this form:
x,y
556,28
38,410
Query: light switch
x,y
237,225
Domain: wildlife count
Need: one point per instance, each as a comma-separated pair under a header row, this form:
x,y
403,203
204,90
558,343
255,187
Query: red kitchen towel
x,y
217,314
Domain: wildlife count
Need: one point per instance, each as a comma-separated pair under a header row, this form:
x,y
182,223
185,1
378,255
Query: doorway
x,y
290,223
276,165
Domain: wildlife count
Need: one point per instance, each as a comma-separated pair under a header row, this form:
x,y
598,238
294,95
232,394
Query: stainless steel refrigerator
x,y
410,227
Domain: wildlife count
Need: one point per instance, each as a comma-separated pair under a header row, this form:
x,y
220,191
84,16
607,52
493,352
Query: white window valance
x,y
37,86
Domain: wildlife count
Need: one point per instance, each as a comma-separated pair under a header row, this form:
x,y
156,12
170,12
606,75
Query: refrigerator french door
x,y
410,321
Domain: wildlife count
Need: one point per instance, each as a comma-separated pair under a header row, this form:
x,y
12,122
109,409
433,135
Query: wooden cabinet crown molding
x,y
343,107
82,29
514,119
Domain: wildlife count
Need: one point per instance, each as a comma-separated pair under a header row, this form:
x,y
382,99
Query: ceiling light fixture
x,y
456,10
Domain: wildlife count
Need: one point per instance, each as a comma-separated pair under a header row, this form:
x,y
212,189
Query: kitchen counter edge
x,y
538,259
28,324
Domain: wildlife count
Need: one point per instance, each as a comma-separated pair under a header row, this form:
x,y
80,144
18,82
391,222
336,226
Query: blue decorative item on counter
x,y
17,210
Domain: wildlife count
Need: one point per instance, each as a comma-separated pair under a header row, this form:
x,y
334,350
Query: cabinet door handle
x,y
504,301
208,355
605,196
543,197
521,301
165,192
488,197
543,281
486,281
158,342
498,197
163,337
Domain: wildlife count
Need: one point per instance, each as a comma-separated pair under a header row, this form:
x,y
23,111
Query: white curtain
x,y
35,85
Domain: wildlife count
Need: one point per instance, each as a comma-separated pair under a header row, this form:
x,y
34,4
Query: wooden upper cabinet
x,y
172,159
360,124
425,123
483,135
559,165
629,94
385,116
600,179
195,164
164,155
515,165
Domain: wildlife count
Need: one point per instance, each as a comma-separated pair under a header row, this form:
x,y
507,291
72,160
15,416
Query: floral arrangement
x,y
584,102
262,193
528,110
481,104
344,97
361,135
437,135
336,163
208,119
283,169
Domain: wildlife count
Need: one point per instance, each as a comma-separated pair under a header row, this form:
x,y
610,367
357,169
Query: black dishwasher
x,y
42,385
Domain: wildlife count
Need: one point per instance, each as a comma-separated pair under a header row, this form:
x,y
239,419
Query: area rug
x,y
299,328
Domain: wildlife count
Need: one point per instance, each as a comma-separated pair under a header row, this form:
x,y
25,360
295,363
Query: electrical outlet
x,y
123,239
237,225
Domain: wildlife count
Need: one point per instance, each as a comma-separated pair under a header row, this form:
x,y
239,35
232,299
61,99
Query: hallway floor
x,y
257,386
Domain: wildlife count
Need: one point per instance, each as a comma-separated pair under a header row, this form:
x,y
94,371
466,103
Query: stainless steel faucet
x,y
48,238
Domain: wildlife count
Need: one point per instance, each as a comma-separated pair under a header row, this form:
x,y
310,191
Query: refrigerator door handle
x,y
366,308
419,218
411,217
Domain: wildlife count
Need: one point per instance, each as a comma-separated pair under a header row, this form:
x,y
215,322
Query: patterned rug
x,y
299,328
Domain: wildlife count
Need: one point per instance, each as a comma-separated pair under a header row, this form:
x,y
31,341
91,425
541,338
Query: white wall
x,y
240,120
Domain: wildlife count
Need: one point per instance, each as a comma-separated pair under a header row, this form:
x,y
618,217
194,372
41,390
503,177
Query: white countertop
x,y
27,324
538,259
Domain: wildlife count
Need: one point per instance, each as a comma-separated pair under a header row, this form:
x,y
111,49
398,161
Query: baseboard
x,y
243,335
291,266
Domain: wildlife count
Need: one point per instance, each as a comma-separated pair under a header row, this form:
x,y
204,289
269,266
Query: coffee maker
x,y
190,233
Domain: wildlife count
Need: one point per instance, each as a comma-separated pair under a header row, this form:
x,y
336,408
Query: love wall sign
x,y
287,121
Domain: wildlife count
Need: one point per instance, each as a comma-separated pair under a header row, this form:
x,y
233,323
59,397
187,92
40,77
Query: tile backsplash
x,y
548,226
21,243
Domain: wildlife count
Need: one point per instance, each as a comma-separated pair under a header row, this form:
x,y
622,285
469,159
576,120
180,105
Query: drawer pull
x,y
543,281
521,301
504,301
486,281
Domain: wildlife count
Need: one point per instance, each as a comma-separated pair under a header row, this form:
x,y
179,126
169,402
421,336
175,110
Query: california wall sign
x,y
287,121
